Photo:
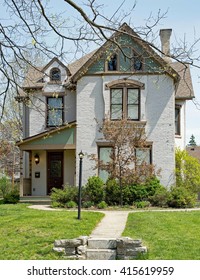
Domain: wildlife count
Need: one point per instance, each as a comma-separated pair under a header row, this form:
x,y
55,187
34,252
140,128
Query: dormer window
x,y
55,75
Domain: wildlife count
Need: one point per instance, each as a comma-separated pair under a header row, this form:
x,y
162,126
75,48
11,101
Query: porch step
x,y
101,249
101,254
102,243
41,200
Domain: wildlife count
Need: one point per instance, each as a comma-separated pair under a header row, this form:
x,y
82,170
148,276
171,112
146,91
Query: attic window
x,y
112,63
55,74
137,63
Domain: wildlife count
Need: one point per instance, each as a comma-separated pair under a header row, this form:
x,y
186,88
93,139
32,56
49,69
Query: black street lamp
x,y
81,155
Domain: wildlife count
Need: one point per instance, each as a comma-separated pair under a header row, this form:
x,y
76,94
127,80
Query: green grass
x,y
167,235
28,234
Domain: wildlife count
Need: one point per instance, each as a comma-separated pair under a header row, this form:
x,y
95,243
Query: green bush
x,y
94,190
142,204
5,186
187,171
71,204
131,193
102,205
152,186
12,197
60,197
160,197
87,204
112,192
181,197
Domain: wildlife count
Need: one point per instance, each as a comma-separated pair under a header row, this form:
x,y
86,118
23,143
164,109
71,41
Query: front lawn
x,y
167,235
29,234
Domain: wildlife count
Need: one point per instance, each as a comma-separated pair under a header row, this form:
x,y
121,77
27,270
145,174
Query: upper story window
x,y
136,63
55,74
125,103
178,120
113,63
55,116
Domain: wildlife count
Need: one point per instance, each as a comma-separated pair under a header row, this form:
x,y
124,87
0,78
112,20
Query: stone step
x,y
41,200
101,254
102,243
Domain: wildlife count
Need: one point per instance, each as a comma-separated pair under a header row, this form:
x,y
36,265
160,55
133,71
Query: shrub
x,y
112,192
152,186
12,197
94,190
130,193
87,204
5,186
102,205
71,204
142,204
181,197
187,171
60,197
160,197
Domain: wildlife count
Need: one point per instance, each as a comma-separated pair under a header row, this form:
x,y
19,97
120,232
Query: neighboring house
x,y
65,104
194,151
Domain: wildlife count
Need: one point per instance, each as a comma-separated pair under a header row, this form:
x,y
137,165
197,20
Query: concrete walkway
x,y
112,225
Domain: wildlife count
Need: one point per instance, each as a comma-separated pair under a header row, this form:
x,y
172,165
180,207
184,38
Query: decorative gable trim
x,y
126,30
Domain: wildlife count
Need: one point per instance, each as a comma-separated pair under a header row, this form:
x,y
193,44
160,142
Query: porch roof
x,y
61,138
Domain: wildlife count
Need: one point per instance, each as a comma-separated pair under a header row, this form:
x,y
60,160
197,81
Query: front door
x,y
54,170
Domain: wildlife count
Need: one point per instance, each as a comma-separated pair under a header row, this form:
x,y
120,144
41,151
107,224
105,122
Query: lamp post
x,y
81,155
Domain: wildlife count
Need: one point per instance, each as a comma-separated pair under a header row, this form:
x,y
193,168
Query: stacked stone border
x,y
85,247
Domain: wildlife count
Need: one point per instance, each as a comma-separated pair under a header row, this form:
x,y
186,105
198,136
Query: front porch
x,y
48,160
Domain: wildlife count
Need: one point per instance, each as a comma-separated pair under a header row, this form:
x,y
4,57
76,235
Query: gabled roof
x,y
127,30
45,138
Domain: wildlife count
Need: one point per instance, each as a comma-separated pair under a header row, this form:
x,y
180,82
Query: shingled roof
x,y
185,88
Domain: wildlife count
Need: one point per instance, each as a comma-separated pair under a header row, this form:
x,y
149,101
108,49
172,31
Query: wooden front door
x,y
54,170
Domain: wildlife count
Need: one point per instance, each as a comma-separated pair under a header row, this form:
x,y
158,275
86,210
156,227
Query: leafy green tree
x,y
187,171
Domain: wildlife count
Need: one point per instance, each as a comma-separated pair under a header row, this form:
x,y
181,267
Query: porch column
x,y
21,174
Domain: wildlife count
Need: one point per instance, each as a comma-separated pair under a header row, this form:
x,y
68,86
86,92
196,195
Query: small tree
x,y
192,141
125,137
187,171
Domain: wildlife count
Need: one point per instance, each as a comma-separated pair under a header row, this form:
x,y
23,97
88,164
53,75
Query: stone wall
x,y
87,248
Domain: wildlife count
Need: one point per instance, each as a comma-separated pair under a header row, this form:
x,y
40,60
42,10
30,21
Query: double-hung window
x,y
178,120
143,156
125,103
54,111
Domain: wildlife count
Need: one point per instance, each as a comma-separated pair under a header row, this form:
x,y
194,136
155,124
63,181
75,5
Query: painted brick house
x,y
63,103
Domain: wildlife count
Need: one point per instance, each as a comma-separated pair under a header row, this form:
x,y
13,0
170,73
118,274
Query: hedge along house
x,y
63,105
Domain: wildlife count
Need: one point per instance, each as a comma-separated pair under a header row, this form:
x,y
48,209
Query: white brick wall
x,y
157,108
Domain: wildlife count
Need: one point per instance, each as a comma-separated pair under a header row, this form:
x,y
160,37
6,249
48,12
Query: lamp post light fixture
x,y
81,155
37,159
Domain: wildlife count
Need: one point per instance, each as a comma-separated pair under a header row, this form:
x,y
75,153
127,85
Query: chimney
x,y
165,35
